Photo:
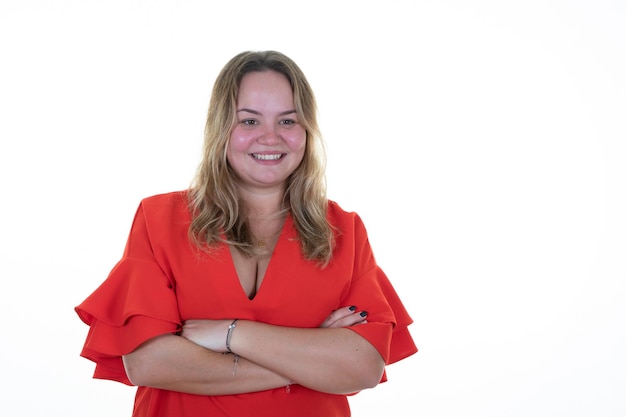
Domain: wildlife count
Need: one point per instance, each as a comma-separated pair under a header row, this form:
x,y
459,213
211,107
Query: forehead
x,y
264,82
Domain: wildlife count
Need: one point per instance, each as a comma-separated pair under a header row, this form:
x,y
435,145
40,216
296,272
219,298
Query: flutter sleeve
x,y
388,320
136,302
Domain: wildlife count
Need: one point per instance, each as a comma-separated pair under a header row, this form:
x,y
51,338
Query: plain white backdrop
x,y
482,142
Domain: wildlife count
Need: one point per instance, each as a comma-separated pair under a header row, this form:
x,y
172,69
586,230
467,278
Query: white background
x,y
482,142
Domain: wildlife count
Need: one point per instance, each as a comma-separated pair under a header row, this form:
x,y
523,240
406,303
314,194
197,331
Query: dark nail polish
x,y
352,308
363,313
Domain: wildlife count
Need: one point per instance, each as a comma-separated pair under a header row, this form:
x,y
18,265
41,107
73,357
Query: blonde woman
x,y
250,293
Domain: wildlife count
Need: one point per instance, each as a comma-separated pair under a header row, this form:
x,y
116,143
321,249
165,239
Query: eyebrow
x,y
259,113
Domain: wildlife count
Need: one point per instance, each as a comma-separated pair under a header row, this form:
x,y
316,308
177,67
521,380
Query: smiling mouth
x,y
267,157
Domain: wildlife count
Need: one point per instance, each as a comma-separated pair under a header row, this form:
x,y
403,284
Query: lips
x,y
267,156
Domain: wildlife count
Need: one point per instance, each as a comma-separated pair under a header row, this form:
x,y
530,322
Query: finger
x,y
350,320
354,319
338,315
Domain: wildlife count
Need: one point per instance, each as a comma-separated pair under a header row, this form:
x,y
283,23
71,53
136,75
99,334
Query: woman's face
x,y
268,142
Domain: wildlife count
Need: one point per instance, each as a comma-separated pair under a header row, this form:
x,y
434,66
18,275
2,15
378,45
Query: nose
x,y
270,135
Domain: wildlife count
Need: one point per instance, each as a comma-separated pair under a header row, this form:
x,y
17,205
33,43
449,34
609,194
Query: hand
x,y
344,317
210,334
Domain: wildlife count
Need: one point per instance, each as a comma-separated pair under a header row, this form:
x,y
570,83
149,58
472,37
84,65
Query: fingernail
x,y
352,308
363,313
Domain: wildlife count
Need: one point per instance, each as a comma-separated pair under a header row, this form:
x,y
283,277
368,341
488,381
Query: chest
x,y
250,270
290,290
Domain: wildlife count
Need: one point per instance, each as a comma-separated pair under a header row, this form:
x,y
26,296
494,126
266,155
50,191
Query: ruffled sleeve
x,y
388,320
135,303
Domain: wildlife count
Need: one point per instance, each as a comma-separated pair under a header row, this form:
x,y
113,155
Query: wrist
x,y
229,335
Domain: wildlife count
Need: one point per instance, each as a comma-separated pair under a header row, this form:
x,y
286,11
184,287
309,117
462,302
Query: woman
x,y
250,293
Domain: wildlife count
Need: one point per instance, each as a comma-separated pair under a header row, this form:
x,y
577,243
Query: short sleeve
x,y
371,290
388,319
135,303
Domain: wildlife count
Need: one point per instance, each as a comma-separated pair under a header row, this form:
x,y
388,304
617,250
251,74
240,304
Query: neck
x,y
262,206
265,215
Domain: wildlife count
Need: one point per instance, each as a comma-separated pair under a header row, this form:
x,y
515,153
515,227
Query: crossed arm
x,y
330,358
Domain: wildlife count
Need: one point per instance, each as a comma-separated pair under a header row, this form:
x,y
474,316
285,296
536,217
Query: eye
x,y
248,122
288,122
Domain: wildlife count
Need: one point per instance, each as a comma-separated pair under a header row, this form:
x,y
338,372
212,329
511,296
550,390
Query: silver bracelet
x,y
235,361
230,334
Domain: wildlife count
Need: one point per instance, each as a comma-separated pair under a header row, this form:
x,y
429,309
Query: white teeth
x,y
267,157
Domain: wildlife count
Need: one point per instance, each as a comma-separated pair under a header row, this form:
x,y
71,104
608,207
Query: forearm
x,y
333,360
174,363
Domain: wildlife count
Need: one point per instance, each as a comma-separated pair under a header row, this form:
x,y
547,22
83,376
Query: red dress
x,y
163,280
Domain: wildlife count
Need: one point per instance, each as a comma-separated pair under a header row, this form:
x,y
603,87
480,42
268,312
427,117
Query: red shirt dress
x,y
163,280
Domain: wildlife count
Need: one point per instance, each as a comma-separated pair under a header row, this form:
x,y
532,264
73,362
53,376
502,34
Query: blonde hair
x,y
214,200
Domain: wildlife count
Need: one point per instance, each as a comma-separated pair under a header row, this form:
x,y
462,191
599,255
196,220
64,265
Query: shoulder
x,y
334,209
341,218
170,199
171,204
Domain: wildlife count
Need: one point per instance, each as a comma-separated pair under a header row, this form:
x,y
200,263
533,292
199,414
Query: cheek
x,y
237,143
297,141
235,151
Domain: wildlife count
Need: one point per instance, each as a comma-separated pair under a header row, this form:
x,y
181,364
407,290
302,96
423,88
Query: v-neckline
x,y
287,226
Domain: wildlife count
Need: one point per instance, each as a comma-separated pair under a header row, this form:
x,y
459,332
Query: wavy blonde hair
x,y
214,199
